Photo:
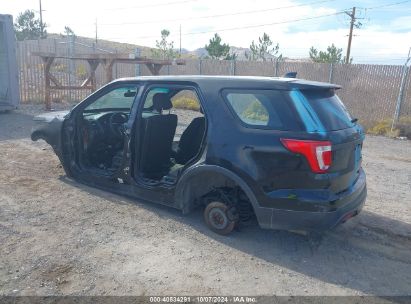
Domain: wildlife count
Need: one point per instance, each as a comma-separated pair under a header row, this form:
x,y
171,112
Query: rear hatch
x,y
325,115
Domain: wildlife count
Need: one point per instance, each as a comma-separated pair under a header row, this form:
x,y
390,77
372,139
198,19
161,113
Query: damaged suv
x,y
282,150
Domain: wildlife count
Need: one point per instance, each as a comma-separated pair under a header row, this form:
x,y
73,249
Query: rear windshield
x,y
325,110
267,109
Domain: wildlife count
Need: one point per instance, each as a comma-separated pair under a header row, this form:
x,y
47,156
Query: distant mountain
x,y
239,51
128,48
201,52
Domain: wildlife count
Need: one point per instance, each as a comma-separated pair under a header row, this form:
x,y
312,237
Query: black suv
x,y
282,150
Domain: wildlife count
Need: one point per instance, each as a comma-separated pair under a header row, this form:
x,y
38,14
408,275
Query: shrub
x,y
184,102
81,71
256,111
404,126
383,127
60,68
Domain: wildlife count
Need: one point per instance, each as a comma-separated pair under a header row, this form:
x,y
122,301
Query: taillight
x,y
318,153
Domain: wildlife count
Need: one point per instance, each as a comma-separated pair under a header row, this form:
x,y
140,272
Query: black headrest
x,y
161,102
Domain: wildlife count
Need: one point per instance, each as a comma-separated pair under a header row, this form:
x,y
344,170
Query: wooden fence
x,y
369,91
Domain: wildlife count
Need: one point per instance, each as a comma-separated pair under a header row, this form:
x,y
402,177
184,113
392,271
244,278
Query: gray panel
x,y
9,89
4,66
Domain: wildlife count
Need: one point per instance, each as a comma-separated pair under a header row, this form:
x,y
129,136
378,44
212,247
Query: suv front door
x,y
93,134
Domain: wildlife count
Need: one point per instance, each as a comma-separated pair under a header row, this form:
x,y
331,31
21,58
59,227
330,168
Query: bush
x,y
187,103
81,72
404,126
60,68
256,111
383,127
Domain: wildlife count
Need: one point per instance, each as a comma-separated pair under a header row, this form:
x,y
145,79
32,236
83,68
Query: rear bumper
x,y
349,204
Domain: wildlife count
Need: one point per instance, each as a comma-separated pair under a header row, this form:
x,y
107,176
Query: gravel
x,y
59,237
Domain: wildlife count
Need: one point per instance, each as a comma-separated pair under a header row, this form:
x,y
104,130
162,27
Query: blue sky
x,y
384,37
382,17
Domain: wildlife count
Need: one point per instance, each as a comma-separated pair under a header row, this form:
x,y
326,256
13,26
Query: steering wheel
x,y
115,122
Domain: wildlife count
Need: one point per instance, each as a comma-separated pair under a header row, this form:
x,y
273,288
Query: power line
x,y
220,15
269,24
385,5
357,25
266,24
243,27
149,5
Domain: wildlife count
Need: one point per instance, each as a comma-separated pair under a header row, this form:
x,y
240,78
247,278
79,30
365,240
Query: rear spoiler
x,y
290,75
309,84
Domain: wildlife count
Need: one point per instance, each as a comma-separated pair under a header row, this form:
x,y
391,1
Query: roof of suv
x,y
229,81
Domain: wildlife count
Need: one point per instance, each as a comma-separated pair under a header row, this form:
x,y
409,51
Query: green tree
x,y
218,50
332,55
264,49
27,26
232,56
164,49
68,31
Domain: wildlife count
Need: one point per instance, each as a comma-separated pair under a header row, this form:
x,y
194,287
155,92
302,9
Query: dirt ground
x,y
58,237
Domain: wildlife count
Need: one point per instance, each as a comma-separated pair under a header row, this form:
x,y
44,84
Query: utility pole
x,y
352,16
400,98
41,22
180,39
96,30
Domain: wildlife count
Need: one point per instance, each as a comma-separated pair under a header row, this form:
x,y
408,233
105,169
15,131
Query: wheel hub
x,y
218,218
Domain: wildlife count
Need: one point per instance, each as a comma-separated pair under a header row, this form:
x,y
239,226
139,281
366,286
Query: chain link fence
x,y
369,91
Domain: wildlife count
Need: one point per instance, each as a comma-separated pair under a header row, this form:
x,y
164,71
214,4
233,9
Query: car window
x,y
325,109
262,108
148,103
119,98
187,100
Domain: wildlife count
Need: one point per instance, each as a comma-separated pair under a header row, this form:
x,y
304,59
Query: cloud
x,y
401,24
376,41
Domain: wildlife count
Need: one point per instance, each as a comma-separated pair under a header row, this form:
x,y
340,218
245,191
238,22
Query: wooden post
x,y
47,62
108,68
92,78
154,68
93,60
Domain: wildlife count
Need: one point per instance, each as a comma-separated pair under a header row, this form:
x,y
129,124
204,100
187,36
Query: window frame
x,y
136,118
108,90
149,86
224,92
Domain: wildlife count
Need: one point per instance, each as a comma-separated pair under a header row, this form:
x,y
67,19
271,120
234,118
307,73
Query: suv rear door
x,y
323,113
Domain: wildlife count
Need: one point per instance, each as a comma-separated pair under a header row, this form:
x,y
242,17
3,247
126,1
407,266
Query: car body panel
x,y
283,191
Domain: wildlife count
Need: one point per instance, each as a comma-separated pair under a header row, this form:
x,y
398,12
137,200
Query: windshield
x,y
120,98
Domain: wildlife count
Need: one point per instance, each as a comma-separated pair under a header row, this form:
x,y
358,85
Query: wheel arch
x,y
201,179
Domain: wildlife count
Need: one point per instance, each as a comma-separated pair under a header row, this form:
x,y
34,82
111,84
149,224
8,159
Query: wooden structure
x,y
106,60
